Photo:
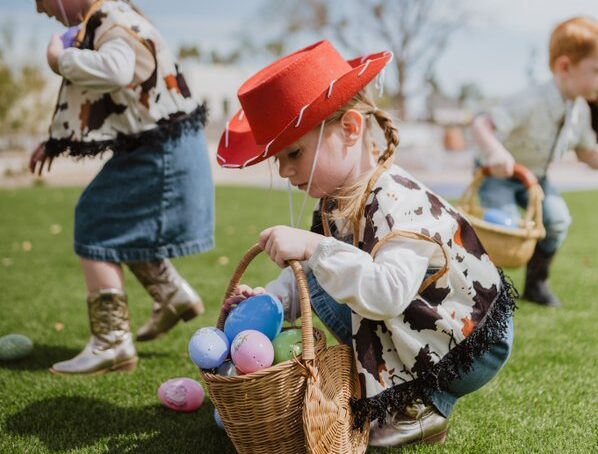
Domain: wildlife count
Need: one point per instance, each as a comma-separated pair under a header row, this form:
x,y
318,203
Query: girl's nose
x,y
285,170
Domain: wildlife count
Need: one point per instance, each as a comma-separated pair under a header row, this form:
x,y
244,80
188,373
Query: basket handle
x,y
520,172
468,201
416,236
304,299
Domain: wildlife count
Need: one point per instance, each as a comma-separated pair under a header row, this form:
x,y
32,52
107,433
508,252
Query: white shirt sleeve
x,y
377,289
109,68
509,115
285,289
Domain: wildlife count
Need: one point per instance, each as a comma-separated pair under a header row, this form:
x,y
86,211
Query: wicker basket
x,y
296,406
507,247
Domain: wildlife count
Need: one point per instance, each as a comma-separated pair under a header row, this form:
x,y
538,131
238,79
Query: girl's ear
x,y
352,125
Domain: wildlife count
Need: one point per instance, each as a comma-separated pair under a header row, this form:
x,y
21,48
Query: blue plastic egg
x,y
263,313
218,419
208,347
499,217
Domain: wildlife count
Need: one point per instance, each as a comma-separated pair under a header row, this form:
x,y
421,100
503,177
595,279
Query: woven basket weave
x,y
507,247
297,406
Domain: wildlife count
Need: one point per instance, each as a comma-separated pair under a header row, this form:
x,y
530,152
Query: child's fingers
x,y
259,290
243,288
41,166
264,236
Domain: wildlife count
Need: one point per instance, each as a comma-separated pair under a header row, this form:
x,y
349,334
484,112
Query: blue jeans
x,y
509,194
337,318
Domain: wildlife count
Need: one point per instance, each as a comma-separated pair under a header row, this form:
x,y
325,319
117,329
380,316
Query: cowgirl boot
x,y
174,299
111,345
419,424
536,280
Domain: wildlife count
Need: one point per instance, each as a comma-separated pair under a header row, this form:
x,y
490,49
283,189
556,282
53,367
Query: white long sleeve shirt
x,y
369,286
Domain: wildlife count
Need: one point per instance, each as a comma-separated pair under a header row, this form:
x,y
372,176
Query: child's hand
x,y
283,243
242,292
39,156
501,165
55,50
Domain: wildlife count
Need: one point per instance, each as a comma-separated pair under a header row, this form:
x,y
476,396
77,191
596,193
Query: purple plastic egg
x,y
208,347
181,394
69,37
252,351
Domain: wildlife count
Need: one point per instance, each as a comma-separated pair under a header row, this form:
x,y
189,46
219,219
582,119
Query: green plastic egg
x,y
15,346
287,344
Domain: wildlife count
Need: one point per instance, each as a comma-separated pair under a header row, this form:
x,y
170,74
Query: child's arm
x,y
496,156
586,148
119,60
285,289
377,288
590,157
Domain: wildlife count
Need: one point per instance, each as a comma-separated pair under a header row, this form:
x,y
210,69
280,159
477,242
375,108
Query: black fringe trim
x,y
457,361
167,129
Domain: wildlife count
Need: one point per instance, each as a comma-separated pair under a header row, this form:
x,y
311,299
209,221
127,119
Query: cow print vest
x,y
449,323
88,122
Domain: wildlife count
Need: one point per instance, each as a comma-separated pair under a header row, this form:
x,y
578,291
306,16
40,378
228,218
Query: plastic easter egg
x,y
208,347
218,419
68,37
181,394
227,369
287,345
252,351
14,347
263,313
499,217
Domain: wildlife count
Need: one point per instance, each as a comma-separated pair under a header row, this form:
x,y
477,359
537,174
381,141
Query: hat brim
x,y
237,147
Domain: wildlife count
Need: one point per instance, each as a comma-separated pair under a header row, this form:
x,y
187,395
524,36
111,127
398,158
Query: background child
x,y
153,199
535,128
397,273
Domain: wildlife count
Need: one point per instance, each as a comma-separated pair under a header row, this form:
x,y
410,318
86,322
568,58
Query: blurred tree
x,y
228,59
417,31
23,108
190,52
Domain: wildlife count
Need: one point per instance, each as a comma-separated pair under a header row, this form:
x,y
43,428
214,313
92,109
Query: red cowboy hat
x,y
290,97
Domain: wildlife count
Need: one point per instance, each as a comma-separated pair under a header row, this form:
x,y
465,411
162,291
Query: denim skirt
x,y
151,203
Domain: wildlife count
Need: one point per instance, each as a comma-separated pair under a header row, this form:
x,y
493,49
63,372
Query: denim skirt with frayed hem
x,y
152,203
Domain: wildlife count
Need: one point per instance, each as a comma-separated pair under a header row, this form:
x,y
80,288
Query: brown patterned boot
x,y
174,299
111,345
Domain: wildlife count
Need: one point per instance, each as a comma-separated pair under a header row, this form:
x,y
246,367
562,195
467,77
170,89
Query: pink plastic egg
x,y
252,351
181,394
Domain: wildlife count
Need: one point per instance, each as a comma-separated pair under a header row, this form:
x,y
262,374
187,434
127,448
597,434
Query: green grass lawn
x,y
545,400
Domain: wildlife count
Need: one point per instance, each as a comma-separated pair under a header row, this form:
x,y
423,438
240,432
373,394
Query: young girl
x,y
153,200
394,270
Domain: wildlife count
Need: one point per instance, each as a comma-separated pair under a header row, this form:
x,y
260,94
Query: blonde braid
x,y
350,203
391,133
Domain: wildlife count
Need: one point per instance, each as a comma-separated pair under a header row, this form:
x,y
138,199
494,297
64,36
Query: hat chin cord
x,y
63,12
309,182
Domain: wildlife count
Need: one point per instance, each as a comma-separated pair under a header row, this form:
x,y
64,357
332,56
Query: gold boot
x,y
419,424
174,299
111,345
